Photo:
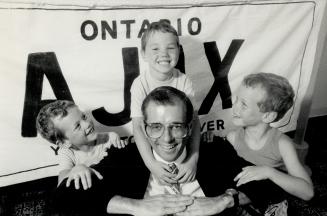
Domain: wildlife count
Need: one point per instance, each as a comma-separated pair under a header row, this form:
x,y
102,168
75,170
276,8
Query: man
x,y
129,188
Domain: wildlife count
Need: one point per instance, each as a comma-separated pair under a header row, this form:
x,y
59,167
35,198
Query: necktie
x,y
173,188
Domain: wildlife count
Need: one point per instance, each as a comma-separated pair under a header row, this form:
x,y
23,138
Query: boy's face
x,y
77,128
246,111
161,52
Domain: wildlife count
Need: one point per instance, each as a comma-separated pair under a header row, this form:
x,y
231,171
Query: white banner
x,y
91,54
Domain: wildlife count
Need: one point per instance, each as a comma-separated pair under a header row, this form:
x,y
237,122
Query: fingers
x,y
97,174
68,181
187,177
244,177
241,173
165,180
119,143
174,210
172,200
86,180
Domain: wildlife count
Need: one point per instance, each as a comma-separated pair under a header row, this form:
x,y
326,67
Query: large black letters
x,y
220,71
38,65
131,71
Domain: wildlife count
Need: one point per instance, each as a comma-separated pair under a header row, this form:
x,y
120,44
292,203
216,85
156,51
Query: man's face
x,y
77,128
161,52
166,146
246,111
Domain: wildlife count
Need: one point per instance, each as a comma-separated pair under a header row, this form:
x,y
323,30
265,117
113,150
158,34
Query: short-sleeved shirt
x,y
69,157
145,83
268,155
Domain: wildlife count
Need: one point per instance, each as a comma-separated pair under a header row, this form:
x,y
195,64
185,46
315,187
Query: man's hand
x,y
114,139
203,206
82,173
151,206
253,173
163,173
162,205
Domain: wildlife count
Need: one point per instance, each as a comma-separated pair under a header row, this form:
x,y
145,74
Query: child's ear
x,y
269,117
143,55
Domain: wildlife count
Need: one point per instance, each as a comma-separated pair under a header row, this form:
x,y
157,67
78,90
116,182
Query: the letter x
x,y
220,71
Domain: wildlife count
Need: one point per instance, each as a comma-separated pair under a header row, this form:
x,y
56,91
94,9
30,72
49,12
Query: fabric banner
x,y
91,54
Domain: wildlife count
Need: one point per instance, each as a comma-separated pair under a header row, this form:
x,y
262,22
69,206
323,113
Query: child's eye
x,y
155,49
244,106
84,117
171,48
77,126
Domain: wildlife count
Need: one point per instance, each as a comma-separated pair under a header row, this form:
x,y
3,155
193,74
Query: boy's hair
x,y
166,95
44,123
279,92
162,26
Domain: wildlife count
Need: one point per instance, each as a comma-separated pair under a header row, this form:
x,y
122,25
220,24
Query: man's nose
x,y
167,135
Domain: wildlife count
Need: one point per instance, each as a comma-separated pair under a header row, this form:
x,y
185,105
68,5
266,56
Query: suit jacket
x,y
125,174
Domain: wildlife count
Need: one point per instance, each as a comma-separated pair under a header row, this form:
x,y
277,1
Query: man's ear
x,y
269,117
190,126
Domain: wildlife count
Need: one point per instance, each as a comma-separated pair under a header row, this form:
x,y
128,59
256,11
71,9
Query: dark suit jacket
x,y
126,175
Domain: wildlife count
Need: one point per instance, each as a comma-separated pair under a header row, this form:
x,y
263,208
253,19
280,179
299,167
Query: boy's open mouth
x,y
89,130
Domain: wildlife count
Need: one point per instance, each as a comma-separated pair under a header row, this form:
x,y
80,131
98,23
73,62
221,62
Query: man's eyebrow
x,y
177,123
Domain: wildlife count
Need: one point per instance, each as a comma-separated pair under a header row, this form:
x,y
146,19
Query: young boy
x,y
62,123
160,49
264,98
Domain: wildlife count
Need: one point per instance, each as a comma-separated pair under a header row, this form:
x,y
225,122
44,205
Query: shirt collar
x,y
179,160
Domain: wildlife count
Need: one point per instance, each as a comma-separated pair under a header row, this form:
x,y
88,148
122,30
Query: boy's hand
x,y
163,173
115,140
82,173
253,173
187,171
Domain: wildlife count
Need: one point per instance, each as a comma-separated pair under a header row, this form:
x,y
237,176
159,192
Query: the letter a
x,y
38,65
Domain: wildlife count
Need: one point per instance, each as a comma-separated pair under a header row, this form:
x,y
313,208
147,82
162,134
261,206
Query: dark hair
x,y
279,93
44,123
162,26
166,95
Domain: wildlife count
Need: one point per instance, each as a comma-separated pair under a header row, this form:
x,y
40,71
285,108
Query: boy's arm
x,y
141,141
187,170
297,182
144,147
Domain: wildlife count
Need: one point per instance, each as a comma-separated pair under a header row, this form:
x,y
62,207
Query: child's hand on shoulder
x,y
163,173
253,173
114,139
81,174
186,171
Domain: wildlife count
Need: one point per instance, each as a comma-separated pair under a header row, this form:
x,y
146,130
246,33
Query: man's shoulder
x,y
219,145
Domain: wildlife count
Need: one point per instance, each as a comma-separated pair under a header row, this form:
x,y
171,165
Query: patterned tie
x,y
173,188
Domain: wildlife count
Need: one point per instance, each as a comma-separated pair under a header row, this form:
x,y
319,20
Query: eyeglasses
x,y
156,130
